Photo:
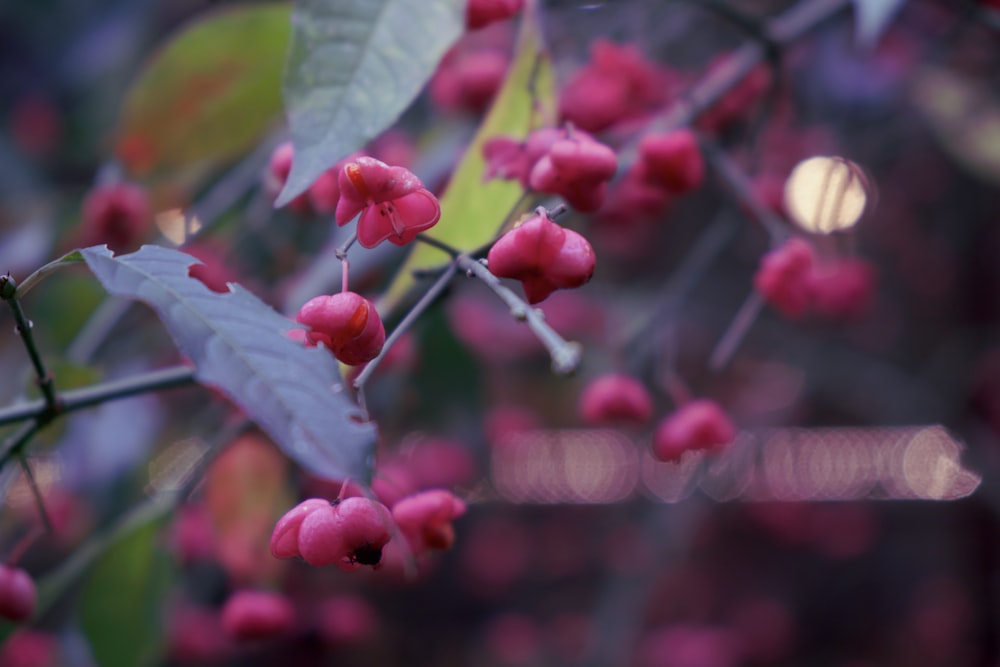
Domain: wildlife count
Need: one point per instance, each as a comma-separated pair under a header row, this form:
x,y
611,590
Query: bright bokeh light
x,y
565,466
826,194
177,227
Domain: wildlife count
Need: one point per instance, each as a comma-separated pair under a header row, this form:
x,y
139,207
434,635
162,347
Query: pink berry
x,y
393,203
543,256
576,168
617,84
698,425
278,169
783,277
672,160
426,519
285,538
615,398
17,594
468,80
118,215
349,534
251,615
345,323
841,289
344,620
480,13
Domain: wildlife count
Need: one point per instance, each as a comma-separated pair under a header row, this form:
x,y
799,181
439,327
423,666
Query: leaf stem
x,y
566,355
40,273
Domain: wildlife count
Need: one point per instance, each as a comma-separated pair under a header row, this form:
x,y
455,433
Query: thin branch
x,y
8,290
738,183
565,355
76,399
432,293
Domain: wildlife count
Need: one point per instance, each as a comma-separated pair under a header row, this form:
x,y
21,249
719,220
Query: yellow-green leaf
x,y
472,212
210,94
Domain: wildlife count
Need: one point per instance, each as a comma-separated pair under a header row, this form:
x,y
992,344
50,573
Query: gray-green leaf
x,y
354,67
238,344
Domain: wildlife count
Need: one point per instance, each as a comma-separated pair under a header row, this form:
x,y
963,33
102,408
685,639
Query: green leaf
x,y
238,344
121,611
354,67
964,117
473,211
210,94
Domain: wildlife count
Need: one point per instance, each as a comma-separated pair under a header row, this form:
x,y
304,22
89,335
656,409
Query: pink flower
x,y
393,203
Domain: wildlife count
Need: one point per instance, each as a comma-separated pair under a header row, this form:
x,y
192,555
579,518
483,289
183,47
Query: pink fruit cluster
x,y
543,256
792,280
354,531
346,323
571,164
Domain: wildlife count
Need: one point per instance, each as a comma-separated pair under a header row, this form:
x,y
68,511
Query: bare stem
x,y
432,293
8,288
566,355
736,332
75,399
739,184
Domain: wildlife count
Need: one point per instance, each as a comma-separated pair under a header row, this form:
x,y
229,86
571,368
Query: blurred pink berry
x,y
672,160
480,13
577,168
195,635
393,203
841,289
344,620
511,159
426,519
736,104
349,534
285,538
30,648
543,256
613,399
118,215
783,277
249,615
324,193
468,80
437,462
698,425
278,169
18,596
346,323
617,84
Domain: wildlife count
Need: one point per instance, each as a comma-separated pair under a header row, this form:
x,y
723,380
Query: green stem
x,y
41,273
